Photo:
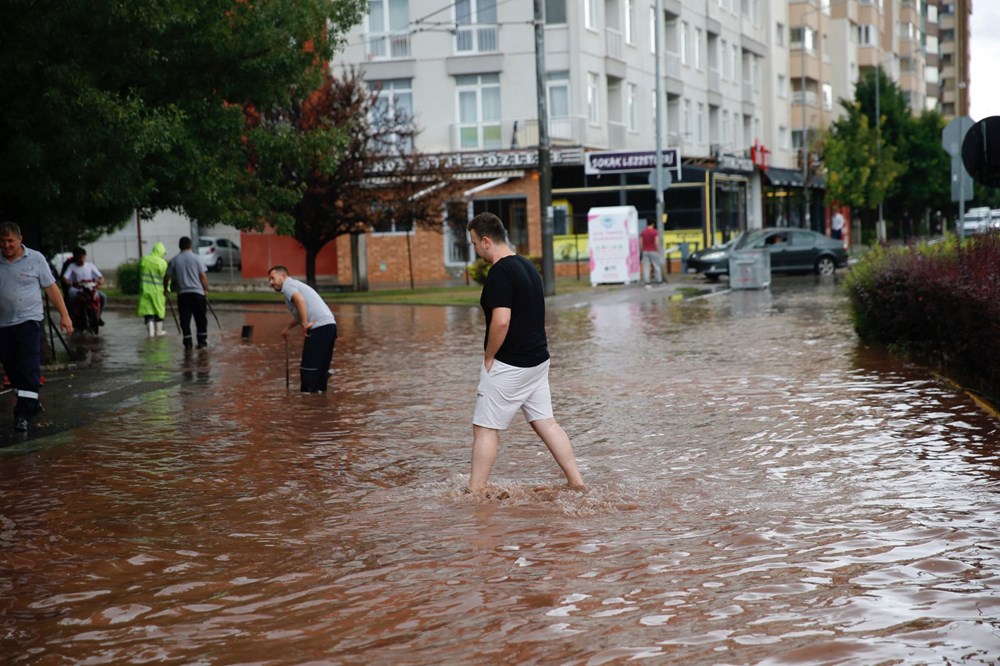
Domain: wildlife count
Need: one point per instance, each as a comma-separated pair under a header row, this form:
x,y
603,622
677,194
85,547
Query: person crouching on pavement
x,y
152,296
23,274
318,325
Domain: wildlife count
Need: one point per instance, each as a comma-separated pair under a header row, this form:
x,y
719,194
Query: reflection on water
x,y
764,490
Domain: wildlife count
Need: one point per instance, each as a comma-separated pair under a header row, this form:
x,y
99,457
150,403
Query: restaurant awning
x,y
778,177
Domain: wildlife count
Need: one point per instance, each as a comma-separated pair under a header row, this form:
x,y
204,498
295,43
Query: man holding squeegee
x,y
318,325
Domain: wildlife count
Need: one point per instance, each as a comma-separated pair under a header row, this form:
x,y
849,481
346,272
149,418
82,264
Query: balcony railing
x,y
383,45
616,43
673,64
812,99
616,134
477,38
565,130
714,84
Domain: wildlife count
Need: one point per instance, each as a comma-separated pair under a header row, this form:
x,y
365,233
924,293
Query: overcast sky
x,y
985,52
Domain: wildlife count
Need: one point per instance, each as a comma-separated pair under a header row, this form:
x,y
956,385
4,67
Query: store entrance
x,y
513,212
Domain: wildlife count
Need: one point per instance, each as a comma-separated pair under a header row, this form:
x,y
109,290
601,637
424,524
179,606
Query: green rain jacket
x,y
152,268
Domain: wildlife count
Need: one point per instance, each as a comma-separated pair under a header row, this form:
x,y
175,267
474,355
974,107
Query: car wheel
x,y
825,266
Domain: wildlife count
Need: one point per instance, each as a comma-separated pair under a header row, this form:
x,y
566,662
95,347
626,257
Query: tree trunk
x,y
359,262
311,266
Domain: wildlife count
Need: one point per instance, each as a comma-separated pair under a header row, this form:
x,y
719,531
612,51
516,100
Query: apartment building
x,y
746,87
465,72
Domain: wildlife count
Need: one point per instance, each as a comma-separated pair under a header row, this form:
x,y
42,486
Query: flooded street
x,y
764,490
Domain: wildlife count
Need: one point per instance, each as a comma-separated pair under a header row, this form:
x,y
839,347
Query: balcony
x,y
477,38
523,133
616,135
615,43
387,45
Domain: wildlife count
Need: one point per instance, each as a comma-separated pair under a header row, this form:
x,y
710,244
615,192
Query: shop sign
x,y
625,161
735,163
481,160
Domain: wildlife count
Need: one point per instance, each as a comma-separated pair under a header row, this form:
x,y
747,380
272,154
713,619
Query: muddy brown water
x,y
765,490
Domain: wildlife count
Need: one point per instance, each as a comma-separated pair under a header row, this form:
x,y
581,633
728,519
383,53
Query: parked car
x,y
217,252
976,220
792,251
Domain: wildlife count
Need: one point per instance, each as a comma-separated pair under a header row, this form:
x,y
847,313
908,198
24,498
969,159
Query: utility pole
x,y
544,165
659,123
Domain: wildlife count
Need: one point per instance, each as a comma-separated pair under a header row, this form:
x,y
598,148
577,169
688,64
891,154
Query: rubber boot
x,y
152,328
159,328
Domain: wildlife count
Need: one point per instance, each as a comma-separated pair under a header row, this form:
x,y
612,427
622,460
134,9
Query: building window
x,y
782,86
806,36
685,44
700,122
632,107
630,21
593,98
723,48
652,29
827,96
867,36
555,12
479,111
477,30
393,111
686,120
697,48
779,34
557,87
388,29
590,14
783,138
725,128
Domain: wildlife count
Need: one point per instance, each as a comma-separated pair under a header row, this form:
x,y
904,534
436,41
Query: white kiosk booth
x,y
613,244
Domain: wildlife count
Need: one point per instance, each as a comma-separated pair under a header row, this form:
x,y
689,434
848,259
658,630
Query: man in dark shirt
x,y
515,370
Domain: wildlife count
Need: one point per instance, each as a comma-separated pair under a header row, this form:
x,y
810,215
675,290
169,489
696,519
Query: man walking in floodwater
x,y
515,370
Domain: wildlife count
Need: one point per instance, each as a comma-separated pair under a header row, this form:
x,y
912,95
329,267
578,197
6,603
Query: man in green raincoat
x,y
152,295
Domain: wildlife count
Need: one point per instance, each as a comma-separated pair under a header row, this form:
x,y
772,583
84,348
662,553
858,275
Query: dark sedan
x,y
792,251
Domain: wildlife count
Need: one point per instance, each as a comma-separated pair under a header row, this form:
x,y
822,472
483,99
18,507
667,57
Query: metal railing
x,y
615,43
477,38
388,45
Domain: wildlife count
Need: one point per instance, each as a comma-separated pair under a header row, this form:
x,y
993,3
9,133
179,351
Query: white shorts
x,y
506,388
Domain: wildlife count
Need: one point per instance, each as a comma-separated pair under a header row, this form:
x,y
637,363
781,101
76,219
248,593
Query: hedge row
x,y
939,302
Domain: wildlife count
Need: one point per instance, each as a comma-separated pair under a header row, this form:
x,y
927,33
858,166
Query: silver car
x,y
217,252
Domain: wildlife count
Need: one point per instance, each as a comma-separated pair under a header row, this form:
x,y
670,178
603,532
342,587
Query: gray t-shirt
x,y
316,310
186,269
21,282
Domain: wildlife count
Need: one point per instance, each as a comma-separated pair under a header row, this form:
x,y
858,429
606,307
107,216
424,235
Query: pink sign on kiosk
x,y
613,244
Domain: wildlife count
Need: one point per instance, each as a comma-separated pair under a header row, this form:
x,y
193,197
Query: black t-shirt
x,y
514,282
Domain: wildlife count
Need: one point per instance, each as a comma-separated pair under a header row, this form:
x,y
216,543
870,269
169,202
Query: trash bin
x,y
750,269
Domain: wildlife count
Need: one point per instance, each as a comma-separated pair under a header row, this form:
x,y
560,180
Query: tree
x,y
346,165
115,105
858,174
926,183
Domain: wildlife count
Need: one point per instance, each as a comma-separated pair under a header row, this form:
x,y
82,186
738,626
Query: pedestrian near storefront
x,y
837,225
188,271
152,294
514,374
319,327
652,253
24,274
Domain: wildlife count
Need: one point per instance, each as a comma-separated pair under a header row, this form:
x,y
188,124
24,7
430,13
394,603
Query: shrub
x,y
940,302
479,268
128,277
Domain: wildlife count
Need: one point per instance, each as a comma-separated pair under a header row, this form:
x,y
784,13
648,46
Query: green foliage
x,y
127,276
911,171
940,301
110,106
478,270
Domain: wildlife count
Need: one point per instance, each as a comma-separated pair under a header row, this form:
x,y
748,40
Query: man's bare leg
x,y
484,454
557,441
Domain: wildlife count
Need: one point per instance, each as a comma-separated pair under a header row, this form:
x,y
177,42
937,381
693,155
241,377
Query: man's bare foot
x,y
579,487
